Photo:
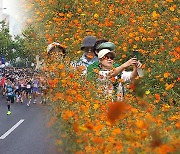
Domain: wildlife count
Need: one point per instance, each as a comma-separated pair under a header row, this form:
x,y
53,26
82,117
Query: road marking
x,y
11,130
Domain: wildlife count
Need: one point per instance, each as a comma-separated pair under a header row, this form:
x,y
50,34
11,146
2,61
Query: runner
x,y
43,91
2,84
28,90
9,91
17,91
35,88
22,87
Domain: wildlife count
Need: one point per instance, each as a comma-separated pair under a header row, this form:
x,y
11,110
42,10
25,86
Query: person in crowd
x,y
9,91
106,70
44,89
99,45
2,83
28,90
17,91
22,88
35,88
55,50
88,56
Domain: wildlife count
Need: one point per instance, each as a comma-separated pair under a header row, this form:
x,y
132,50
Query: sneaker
x,y
28,104
9,112
34,102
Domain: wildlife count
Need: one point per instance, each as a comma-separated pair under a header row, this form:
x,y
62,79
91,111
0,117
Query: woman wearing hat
x,y
108,73
56,50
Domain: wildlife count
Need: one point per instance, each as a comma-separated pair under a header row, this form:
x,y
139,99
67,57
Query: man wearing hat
x,y
107,70
88,57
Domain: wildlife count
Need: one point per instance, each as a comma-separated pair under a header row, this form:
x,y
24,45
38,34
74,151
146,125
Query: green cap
x,y
106,45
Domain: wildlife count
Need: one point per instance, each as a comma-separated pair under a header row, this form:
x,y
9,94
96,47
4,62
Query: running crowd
x,y
21,85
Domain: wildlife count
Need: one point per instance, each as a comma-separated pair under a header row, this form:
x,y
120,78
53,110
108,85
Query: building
x,y
3,16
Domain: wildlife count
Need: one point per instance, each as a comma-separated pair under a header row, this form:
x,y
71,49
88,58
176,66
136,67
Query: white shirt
x,y
108,86
126,77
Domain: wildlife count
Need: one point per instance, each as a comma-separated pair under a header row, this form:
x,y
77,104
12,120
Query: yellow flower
x,y
135,46
155,14
96,16
96,106
82,128
79,51
147,92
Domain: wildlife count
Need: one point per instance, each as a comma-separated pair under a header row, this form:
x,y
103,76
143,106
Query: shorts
x,y
28,91
35,89
23,89
10,98
17,91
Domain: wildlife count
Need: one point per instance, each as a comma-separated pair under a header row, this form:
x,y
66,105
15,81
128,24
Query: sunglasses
x,y
106,57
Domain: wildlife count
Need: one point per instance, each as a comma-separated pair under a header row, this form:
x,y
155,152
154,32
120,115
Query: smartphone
x,y
135,54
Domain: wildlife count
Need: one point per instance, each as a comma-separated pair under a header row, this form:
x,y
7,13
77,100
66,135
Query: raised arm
x,y
118,70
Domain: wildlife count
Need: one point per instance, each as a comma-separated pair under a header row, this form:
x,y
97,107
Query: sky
x,y
13,7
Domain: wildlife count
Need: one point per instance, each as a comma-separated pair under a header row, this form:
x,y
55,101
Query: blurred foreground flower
x,y
115,110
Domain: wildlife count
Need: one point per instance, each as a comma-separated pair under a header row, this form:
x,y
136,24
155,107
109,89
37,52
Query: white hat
x,y
50,46
103,52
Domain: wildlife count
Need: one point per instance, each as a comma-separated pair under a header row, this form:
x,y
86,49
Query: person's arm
x,y
5,91
119,69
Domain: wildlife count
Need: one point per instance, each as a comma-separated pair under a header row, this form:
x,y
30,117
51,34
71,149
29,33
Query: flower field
x,y
85,121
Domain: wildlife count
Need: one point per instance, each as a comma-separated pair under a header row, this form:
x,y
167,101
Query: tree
x,y
11,49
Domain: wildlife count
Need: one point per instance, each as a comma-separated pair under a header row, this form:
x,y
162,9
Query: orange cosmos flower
x,y
89,125
115,110
167,74
158,98
67,114
98,140
165,149
61,66
169,86
141,124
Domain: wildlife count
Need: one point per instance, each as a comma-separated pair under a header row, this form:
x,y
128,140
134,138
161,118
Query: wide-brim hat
x,y
89,41
106,45
103,52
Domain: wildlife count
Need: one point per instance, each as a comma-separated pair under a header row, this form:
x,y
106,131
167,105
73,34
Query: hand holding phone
x,y
139,70
135,54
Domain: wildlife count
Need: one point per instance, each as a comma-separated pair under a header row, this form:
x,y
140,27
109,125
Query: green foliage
x,y
13,48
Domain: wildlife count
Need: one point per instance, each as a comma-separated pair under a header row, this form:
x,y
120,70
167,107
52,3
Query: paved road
x,y
30,136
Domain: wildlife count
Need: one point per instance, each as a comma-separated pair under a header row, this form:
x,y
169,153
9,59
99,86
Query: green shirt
x,y
91,70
